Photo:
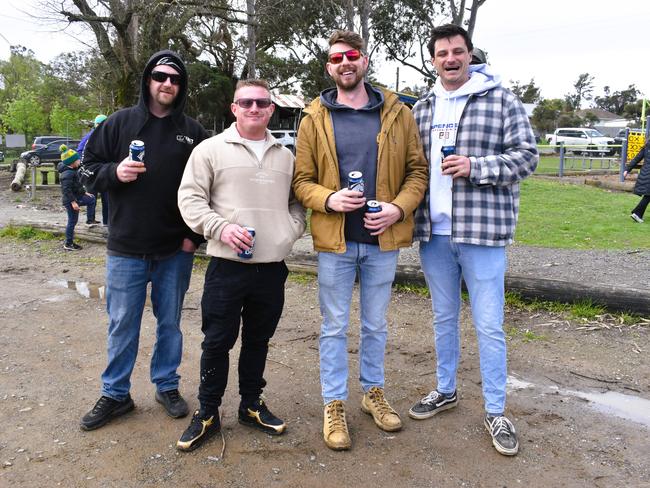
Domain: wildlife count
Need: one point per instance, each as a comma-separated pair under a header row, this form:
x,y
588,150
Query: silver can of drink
x,y
249,253
355,181
136,151
373,206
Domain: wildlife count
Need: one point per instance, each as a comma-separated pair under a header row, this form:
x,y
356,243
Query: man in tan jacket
x,y
355,127
236,192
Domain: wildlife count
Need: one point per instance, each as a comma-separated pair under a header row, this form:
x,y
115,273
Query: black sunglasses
x,y
248,102
162,77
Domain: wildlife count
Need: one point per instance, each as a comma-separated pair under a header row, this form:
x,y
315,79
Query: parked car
x,y
40,141
48,152
620,137
587,141
285,137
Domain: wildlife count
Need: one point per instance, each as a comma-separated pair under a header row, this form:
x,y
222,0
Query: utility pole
x,y
397,79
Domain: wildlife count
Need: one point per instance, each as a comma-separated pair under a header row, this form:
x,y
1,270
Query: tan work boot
x,y
375,404
335,427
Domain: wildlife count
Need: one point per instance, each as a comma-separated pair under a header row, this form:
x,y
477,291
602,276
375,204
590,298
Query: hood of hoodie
x,y
179,102
328,98
481,79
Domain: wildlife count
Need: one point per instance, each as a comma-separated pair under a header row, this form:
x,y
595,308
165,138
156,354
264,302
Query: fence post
x,y
623,156
561,159
32,189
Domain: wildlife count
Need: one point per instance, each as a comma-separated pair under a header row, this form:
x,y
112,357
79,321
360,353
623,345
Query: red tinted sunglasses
x,y
162,77
337,58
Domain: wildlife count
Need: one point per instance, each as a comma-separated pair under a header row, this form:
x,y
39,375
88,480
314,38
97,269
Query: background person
x,y
147,238
80,149
73,195
356,127
468,216
240,178
642,185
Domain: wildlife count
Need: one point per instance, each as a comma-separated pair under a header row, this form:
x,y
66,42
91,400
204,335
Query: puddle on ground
x,y
84,288
91,290
628,407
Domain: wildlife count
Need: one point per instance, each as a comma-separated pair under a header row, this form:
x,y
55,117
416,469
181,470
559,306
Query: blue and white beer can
x,y
373,206
136,150
249,253
355,181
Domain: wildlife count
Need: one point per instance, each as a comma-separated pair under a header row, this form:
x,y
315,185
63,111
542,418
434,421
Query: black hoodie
x,y
143,215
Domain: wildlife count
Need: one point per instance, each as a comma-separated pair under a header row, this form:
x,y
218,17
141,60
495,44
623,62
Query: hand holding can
x,y
248,253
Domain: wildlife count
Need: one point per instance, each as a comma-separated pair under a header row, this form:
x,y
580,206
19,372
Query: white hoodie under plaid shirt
x,y
494,132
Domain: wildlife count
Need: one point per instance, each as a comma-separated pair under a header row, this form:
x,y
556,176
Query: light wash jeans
x,y
336,274
483,268
126,289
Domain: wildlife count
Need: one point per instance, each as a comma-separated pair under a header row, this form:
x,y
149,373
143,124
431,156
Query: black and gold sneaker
x,y
201,428
258,415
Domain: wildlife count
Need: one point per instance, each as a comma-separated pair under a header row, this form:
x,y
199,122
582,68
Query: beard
x,y
347,83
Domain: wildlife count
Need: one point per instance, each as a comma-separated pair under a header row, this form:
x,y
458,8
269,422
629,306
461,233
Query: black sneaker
x,y
92,222
435,402
504,437
173,402
258,415
104,411
201,428
72,246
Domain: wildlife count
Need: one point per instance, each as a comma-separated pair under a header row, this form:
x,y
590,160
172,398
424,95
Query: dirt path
x,y
52,351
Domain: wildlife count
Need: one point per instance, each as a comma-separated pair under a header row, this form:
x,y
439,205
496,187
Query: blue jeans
x,y
336,274
483,269
73,215
126,289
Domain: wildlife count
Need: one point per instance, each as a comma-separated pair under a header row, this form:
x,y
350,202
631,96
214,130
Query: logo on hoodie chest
x,y
185,139
262,178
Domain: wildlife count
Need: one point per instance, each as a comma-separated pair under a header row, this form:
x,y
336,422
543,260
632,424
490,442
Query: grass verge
x,y
554,214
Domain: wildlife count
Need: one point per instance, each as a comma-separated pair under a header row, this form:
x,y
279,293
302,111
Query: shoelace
x,y
431,398
336,416
501,425
379,401
102,403
173,395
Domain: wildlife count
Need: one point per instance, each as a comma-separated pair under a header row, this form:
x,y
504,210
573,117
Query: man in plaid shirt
x,y
479,144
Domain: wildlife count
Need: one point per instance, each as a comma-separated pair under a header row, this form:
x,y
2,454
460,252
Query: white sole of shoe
x,y
428,415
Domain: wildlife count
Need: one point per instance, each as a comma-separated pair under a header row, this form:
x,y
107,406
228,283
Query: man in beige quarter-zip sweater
x,y
234,181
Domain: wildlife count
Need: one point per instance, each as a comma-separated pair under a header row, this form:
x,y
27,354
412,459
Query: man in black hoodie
x,y
148,240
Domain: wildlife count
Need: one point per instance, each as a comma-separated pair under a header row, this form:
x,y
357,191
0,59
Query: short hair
x,y
446,31
348,37
253,82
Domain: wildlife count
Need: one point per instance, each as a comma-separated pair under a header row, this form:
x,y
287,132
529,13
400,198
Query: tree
x,y
21,71
402,29
584,86
528,93
68,117
616,102
24,114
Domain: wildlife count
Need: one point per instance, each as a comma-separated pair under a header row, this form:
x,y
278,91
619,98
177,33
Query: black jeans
x,y
253,293
640,208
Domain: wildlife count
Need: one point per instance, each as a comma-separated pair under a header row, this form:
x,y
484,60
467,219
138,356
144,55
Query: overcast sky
x,y
552,41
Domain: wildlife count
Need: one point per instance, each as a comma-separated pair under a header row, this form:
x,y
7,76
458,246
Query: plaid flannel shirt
x,y
494,132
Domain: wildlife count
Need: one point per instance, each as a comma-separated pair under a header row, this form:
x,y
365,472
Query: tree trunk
x,y
252,39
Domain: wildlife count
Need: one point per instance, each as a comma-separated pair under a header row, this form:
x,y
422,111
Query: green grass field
x,y
578,217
